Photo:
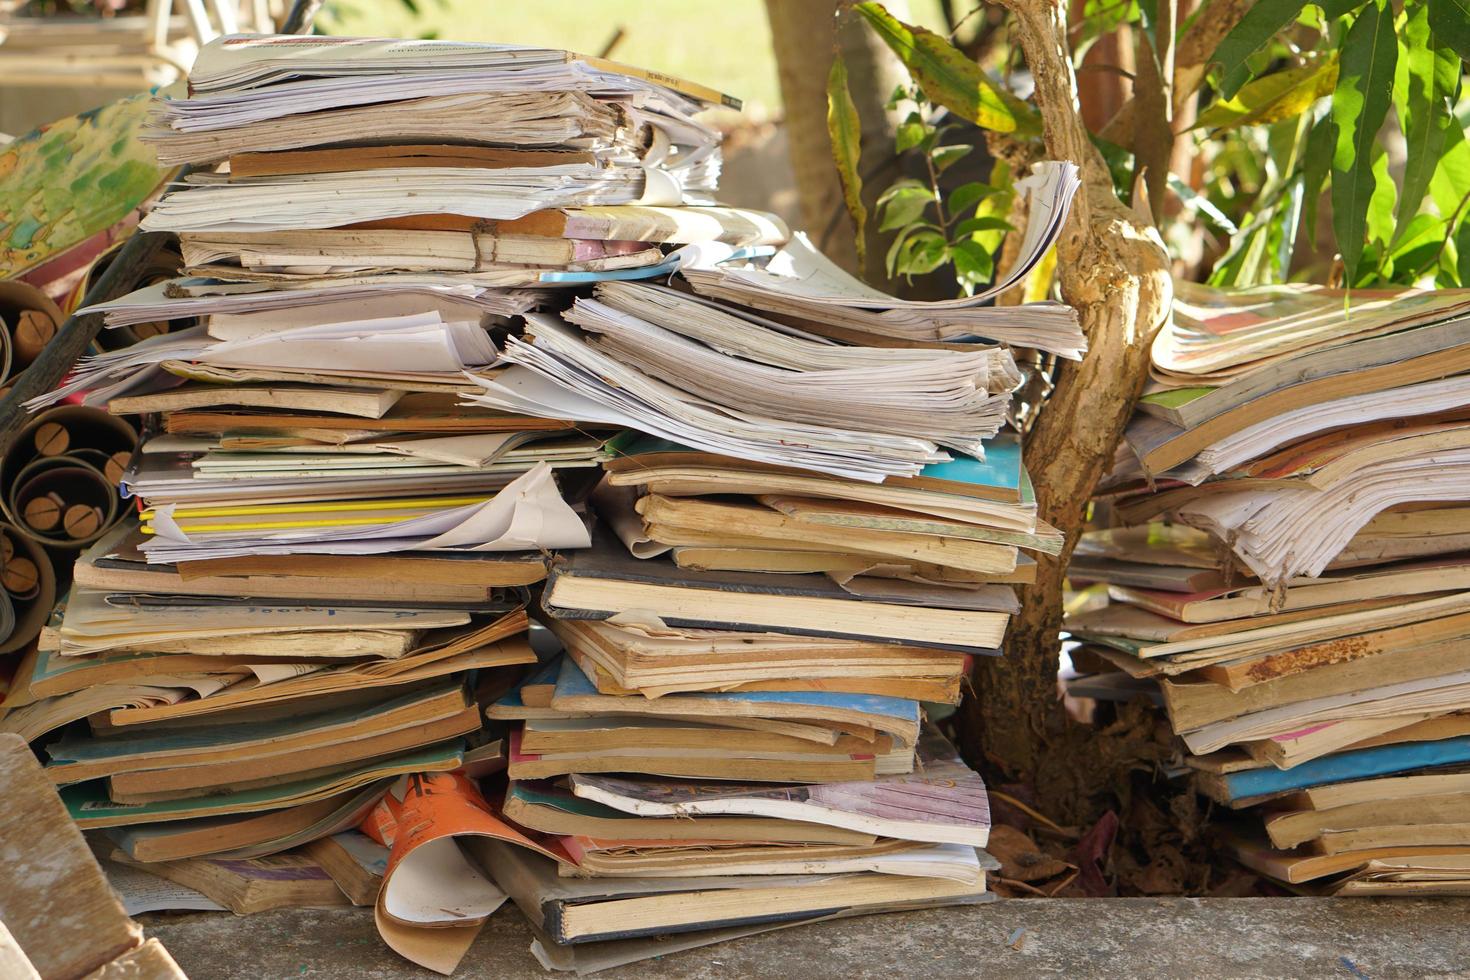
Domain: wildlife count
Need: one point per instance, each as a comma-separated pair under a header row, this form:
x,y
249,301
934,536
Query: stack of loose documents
x,y
1290,568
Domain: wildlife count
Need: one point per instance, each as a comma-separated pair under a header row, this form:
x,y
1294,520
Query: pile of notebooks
x,y
464,355
1289,577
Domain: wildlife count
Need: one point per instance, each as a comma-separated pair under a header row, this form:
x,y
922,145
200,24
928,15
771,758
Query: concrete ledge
x,y
1072,938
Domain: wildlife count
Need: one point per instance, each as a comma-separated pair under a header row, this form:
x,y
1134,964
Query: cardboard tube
x,y
116,466
63,501
88,436
43,511
32,607
81,521
32,318
5,347
33,331
51,439
21,578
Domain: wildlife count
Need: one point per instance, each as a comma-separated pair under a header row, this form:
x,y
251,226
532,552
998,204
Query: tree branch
x,y
1191,61
1114,270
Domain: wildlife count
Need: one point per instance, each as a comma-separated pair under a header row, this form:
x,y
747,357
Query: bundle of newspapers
x,y
1288,576
506,500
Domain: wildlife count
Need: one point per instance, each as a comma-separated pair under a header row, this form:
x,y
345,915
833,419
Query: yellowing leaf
x,y
948,78
1038,284
1270,98
845,131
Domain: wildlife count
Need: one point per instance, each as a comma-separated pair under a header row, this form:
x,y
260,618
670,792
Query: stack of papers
x,y
469,341
633,121
801,282
1293,587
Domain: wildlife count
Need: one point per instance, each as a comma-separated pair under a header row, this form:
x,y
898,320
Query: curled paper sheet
x,y
434,897
615,505
528,515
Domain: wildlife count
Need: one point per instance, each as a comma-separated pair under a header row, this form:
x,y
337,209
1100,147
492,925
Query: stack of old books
x,y
329,570
772,507
1290,569
801,544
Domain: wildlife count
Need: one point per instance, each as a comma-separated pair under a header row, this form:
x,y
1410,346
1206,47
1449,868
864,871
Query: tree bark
x,y
1113,268
806,34
1191,61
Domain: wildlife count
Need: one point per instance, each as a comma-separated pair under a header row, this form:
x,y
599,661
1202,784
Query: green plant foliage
x,y
1450,20
1261,23
1294,112
948,78
1425,82
1359,106
1279,95
845,130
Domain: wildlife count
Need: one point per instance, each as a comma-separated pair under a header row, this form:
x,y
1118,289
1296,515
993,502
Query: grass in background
x,y
725,44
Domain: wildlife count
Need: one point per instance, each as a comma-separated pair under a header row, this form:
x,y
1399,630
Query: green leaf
x,y
923,253
911,132
1425,80
918,251
1270,98
1120,164
1451,181
972,263
971,226
1380,204
967,196
1450,21
1261,23
1194,199
947,77
890,261
904,207
845,131
902,183
1462,246
1422,229
1317,161
997,205
1334,9
1359,105
945,157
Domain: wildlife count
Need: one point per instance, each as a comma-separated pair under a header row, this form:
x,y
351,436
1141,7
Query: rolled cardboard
x,y
89,438
63,501
33,606
21,577
32,319
51,439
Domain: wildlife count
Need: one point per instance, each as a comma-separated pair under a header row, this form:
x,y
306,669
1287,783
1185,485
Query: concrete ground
x,y
1355,939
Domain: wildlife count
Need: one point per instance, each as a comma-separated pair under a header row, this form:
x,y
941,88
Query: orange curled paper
x,y
434,898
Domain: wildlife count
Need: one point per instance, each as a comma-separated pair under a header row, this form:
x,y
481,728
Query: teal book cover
x,y
572,682
1341,767
89,804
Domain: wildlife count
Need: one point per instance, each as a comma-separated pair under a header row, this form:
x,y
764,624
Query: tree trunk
x,y
1113,268
806,34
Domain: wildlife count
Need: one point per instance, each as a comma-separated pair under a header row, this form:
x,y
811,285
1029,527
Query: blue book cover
x,y
1341,767
545,674
1001,468
572,682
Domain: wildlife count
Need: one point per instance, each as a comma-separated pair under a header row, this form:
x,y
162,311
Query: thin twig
x,y
1029,811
